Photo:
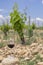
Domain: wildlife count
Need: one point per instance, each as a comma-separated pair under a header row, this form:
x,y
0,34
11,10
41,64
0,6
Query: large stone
x,y
10,61
26,54
40,63
33,45
35,52
0,63
26,58
22,52
1,58
41,56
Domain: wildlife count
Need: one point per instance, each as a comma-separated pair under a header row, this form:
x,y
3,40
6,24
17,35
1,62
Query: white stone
x,y
40,63
27,58
10,61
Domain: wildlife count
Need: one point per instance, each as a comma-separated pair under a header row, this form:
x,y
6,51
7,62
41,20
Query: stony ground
x,y
22,54
26,53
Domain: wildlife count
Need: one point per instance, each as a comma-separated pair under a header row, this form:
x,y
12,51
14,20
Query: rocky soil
x,y
26,52
22,54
